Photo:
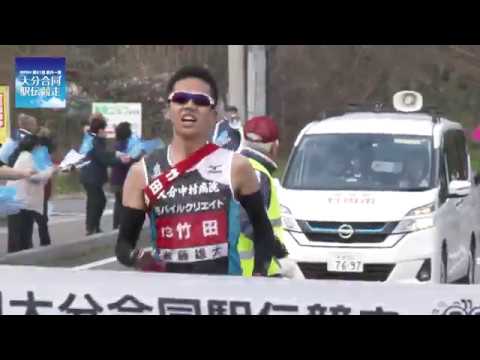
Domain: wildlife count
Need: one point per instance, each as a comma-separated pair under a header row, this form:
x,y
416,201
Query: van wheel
x,y
443,265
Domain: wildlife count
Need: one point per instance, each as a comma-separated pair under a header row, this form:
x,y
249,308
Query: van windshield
x,y
376,162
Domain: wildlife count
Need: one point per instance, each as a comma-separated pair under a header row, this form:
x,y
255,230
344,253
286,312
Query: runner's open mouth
x,y
189,119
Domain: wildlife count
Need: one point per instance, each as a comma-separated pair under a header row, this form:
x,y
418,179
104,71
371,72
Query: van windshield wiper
x,y
414,189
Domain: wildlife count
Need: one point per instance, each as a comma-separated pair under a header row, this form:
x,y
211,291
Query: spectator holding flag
x,y
123,134
476,135
130,144
7,173
93,176
27,127
43,153
29,191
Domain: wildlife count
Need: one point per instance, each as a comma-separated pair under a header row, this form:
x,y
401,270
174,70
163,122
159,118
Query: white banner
x,y
115,113
34,290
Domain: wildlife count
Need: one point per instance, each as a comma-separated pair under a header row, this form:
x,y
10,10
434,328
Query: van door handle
x,y
459,203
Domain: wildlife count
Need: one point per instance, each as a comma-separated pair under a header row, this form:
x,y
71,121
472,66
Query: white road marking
x,y
58,213
96,264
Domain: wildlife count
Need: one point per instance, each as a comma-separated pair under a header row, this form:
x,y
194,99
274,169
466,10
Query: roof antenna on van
x,y
378,107
434,112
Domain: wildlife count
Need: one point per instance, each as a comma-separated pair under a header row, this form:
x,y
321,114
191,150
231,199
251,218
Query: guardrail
x,y
43,256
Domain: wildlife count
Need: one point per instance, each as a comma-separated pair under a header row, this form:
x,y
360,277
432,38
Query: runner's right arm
x,y
132,216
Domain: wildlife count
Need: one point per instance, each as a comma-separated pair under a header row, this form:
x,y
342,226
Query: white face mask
x,y
235,124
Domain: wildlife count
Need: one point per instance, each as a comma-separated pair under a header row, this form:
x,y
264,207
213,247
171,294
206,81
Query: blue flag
x,y
150,146
134,146
87,144
9,205
7,150
41,158
137,146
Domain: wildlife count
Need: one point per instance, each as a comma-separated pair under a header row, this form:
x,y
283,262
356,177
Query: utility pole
x,y
236,79
257,81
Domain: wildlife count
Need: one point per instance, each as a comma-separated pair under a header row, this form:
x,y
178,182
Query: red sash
x,y
160,185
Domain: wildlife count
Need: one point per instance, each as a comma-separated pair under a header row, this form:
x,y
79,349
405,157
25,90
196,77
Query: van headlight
x,y
420,218
288,221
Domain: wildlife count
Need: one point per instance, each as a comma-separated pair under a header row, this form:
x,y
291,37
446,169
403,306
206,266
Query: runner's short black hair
x,y
196,72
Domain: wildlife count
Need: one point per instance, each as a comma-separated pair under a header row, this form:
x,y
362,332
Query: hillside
x,y
303,80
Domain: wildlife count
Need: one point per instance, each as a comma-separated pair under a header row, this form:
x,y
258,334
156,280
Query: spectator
x,y
30,191
227,131
476,135
94,175
261,148
27,127
44,139
123,132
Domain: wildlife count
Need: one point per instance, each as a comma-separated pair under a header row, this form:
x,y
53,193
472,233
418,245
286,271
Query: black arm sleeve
x,y
265,188
264,239
131,223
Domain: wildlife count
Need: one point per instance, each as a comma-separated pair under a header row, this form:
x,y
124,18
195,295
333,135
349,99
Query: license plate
x,y
345,263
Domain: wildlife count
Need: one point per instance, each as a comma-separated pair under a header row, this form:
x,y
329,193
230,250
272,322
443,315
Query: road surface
x,y
66,222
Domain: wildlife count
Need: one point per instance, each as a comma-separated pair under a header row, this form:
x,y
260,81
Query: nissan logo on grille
x,y
345,231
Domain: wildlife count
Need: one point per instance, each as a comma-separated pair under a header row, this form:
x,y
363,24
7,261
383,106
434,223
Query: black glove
x,y
144,261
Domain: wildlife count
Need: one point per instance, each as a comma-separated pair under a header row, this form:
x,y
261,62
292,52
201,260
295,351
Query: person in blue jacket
x,y
228,130
94,175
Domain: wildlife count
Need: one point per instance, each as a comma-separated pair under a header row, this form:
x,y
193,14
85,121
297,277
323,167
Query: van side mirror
x,y
459,188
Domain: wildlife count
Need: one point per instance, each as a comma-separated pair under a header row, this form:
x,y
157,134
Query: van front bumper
x,y
399,263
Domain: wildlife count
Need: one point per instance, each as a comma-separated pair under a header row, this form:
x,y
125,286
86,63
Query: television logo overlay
x,y
40,83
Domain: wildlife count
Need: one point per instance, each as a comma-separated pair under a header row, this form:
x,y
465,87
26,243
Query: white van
x,y
382,195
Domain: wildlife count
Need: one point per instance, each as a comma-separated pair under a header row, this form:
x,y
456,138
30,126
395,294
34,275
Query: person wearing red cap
x,y
261,145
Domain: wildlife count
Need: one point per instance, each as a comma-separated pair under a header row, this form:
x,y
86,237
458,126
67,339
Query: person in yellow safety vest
x,y
260,147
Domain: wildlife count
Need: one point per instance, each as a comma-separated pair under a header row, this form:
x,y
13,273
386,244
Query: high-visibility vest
x,y
245,245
